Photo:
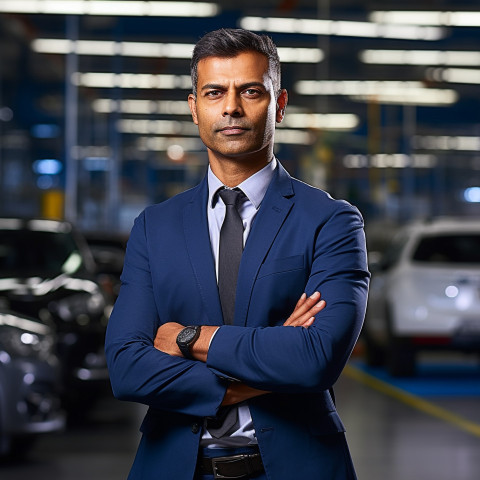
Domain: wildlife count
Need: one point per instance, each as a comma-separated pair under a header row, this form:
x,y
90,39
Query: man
x,y
243,392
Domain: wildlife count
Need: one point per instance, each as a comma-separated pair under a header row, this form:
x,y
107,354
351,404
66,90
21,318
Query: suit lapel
x,y
199,250
273,211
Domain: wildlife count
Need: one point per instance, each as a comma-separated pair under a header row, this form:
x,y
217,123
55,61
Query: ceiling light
x,y
141,107
341,28
111,7
454,75
389,160
163,144
445,142
157,127
433,97
300,55
103,47
327,121
293,137
155,50
131,80
397,92
436,18
472,195
420,57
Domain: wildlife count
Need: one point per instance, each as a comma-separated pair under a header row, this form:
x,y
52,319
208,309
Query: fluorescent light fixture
x,y
157,127
454,75
131,80
433,97
435,18
399,92
293,137
155,50
445,142
163,144
300,55
341,28
420,57
109,48
111,8
389,160
189,129
142,107
318,121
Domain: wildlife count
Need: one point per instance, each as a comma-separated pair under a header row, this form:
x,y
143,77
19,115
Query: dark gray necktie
x,y
229,256
230,253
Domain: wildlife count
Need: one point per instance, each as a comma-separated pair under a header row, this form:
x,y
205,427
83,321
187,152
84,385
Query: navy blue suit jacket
x,y
301,240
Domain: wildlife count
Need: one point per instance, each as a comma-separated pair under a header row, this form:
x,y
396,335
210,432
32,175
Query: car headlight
x,y
21,337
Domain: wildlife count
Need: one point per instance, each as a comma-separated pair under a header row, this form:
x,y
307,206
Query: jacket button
x,y
195,428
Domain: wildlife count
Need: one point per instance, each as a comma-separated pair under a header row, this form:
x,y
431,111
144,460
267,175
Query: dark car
x,y
29,383
48,272
108,251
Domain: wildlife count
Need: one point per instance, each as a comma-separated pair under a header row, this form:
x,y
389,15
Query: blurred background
x,y
94,126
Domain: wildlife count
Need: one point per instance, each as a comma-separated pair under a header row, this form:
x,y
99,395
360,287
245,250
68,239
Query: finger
x,y
309,322
305,305
307,316
301,301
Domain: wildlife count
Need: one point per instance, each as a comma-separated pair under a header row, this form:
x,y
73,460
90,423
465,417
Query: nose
x,y
232,106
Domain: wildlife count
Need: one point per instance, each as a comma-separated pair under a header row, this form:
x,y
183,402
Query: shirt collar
x,y
253,187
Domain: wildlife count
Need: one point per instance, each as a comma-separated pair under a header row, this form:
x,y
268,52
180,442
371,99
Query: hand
x,y
239,392
305,310
166,338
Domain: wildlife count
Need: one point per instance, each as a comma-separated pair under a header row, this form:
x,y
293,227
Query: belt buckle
x,y
216,461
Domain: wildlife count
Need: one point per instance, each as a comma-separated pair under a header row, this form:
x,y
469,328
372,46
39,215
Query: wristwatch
x,y
186,338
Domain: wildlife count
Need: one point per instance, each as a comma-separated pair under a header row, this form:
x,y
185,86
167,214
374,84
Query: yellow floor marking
x,y
412,400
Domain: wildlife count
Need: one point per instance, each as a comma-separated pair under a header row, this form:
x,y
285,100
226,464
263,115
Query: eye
x,y
213,93
252,92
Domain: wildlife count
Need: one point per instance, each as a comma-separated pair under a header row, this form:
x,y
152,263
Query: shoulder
x,y
315,201
173,205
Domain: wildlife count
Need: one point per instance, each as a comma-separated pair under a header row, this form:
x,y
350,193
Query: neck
x,y
233,171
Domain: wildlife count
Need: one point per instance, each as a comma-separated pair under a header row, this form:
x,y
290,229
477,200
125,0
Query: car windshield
x,y
459,248
38,253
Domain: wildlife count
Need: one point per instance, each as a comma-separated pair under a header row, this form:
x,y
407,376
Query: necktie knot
x,y
230,197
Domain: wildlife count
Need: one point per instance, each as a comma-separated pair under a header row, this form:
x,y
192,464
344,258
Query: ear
x,y
192,103
282,101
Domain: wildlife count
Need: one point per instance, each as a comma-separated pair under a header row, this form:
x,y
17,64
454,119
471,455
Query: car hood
x,y
37,286
45,298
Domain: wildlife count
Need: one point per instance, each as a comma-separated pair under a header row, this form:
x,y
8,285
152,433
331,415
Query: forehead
x,y
243,68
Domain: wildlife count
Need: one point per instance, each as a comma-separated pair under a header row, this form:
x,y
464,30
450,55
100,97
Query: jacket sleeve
x,y
296,359
138,371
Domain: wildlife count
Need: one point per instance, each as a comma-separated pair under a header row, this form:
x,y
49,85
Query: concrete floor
x,y
393,435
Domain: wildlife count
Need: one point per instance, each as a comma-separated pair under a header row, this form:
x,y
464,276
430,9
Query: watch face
x,y
186,335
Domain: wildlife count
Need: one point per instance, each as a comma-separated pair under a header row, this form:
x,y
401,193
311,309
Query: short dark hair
x,y
229,42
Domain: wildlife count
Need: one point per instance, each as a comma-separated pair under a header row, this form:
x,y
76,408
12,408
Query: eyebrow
x,y
217,86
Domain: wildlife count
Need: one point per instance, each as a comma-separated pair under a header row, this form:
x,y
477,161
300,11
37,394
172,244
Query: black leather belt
x,y
232,467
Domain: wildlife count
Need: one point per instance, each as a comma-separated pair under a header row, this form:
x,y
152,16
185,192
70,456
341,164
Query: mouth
x,y
233,130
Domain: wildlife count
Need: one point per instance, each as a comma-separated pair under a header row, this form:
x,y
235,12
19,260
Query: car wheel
x,y
374,353
401,355
401,358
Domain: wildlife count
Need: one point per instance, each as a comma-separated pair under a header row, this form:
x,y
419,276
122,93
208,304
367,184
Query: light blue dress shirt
x,y
254,189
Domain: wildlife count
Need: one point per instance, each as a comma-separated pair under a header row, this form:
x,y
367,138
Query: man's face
x,y
235,107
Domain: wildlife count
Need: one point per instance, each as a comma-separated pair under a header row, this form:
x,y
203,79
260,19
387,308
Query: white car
x,y
425,294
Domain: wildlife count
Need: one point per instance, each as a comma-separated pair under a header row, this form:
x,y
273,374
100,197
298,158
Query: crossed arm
x,y
165,341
